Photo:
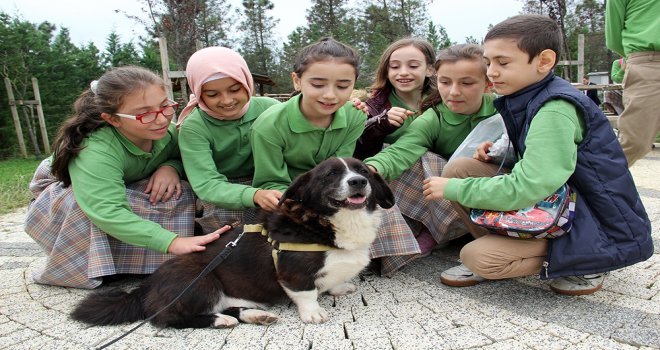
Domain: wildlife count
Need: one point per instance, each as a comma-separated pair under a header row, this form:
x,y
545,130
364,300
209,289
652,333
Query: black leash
x,y
212,265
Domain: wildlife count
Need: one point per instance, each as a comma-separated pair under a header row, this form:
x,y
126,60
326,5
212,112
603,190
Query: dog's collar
x,y
302,247
279,246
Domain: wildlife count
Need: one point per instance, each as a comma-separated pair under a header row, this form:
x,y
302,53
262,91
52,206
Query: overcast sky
x,y
93,20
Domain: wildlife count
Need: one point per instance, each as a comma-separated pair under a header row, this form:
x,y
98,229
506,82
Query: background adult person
x,y
632,29
591,93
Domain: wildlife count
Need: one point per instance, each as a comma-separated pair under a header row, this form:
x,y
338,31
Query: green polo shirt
x,y
441,134
632,26
285,144
99,175
215,151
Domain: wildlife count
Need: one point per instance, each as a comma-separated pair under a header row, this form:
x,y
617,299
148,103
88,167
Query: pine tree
x,y
257,40
432,35
213,28
117,54
326,18
444,38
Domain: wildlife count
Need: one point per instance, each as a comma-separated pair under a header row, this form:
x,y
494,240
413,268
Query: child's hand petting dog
x,y
185,245
267,199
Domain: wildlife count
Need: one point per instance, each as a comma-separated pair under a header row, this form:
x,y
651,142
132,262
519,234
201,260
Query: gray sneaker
x,y
577,285
460,276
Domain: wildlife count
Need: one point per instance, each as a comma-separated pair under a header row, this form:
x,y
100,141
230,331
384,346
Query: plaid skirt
x,y
211,218
396,241
79,254
438,216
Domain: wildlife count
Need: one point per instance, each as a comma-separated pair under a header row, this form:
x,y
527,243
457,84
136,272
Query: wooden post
x,y
579,62
40,116
165,65
184,89
580,66
14,114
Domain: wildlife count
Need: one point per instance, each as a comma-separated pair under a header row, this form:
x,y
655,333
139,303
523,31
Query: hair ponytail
x,y
67,143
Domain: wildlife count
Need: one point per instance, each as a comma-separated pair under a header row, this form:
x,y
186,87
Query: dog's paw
x,y
258,317
316,315
343,289
224,321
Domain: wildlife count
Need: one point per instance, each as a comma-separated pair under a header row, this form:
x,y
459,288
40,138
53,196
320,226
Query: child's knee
x,y
458,168
476,257
472,256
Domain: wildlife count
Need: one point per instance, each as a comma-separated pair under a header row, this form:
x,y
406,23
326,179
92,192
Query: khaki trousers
x,y
640,121
492,256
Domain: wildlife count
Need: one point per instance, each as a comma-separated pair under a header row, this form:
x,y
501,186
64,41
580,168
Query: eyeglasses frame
x,y
139,116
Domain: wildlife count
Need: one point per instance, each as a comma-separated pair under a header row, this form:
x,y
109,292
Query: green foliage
x,y
577,17
432,36
150,55
15,176
64,70
117,54
327,18
213,30
257,40
411,14
444,38
471,40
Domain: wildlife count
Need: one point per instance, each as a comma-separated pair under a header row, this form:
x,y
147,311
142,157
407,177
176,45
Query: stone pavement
x,y
412,310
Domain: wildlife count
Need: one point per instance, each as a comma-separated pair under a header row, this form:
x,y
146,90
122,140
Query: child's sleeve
x,y
617,72
270,170
549,160
208,183
99,189
418,138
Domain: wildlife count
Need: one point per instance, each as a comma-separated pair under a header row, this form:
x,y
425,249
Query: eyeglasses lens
x,y
149,117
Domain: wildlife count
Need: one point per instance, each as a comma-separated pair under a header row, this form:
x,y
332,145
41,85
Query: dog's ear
x,y
297,189
382,191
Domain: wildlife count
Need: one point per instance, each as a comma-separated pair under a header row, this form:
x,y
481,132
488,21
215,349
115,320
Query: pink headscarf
x,y
210,64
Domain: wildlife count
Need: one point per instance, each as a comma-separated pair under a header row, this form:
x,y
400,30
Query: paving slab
x,y
411,310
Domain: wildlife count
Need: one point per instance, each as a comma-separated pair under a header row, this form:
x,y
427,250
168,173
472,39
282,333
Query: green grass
x,y
15,176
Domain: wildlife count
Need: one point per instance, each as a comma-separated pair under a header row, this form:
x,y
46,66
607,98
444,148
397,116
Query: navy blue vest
x,y
611,229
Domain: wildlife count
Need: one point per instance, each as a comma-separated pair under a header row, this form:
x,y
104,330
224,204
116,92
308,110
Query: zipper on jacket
x,y
545,267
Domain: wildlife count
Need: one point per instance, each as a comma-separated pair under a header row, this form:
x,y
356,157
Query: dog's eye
x,y
332,173
361,170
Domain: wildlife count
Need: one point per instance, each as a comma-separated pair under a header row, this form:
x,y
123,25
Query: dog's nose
x,y
357,182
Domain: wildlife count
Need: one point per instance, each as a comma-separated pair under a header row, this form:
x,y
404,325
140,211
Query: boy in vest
x,y
559,136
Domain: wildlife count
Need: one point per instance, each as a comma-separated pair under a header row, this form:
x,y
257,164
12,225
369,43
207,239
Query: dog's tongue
x,y
356,200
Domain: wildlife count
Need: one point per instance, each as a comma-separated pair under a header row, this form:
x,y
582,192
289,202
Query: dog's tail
x,y
111,307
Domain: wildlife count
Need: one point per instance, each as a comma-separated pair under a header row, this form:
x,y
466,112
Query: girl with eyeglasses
x,y
110,200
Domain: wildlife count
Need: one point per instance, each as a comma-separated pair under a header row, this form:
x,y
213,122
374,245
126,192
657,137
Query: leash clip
x,y
233,243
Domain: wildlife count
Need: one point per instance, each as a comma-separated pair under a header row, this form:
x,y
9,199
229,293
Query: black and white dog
x,y
335,206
